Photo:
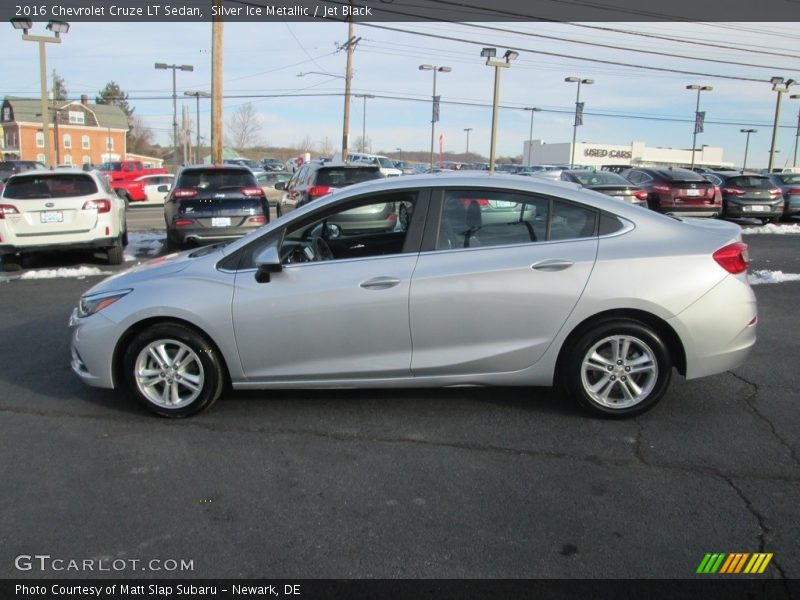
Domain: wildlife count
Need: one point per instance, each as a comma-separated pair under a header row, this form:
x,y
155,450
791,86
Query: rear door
x,y
495,285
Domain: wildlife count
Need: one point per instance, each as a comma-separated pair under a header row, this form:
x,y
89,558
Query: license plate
x,y
692,192
756,208
52,216
220,221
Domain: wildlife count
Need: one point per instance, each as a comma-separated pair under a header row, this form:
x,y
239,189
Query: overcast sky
x,y
645,105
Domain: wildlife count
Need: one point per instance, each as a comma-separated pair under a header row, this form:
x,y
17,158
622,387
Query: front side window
x,y
486,218
374,226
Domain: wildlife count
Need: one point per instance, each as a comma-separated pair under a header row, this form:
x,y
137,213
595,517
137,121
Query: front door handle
x,y
380,283
552,264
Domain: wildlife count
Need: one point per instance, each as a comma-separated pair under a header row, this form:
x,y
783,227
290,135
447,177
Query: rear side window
x,y
482,218
216,179
343,176
31,187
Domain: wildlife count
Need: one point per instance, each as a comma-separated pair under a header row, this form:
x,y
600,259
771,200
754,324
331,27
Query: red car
x,y
675,191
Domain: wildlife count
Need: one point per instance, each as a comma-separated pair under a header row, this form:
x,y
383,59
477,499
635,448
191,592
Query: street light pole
x,y
780,86
530,134
746,145
364,120
467,129
489,54
699,88
57,27
435,102
578,114
164,66
198,95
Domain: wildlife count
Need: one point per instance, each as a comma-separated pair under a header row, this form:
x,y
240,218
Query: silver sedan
x,y
482,280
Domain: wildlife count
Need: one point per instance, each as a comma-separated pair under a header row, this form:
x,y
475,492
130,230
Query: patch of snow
x,y
783,229
144,244
76,272
765,276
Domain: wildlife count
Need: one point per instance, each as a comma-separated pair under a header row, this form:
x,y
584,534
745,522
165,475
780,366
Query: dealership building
x,y
635,154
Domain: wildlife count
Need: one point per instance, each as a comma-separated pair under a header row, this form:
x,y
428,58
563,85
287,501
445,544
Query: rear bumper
x,y
737,209
83,245
206,235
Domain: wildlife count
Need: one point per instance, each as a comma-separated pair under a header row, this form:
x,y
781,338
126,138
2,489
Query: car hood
x,y
151,269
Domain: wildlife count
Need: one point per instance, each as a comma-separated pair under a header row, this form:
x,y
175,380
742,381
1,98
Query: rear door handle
x,y
380,283
552,264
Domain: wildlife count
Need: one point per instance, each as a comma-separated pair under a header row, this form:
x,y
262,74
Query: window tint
x,y
750,182
484,218
54,186
476,218
216,179
343,176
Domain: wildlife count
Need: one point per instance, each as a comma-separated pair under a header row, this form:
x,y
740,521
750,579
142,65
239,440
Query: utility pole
x,y
350,46
216,86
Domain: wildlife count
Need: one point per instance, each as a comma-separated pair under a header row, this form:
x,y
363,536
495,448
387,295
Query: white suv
x,y
66,209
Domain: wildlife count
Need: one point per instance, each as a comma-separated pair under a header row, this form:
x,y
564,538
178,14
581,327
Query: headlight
x,y
94,303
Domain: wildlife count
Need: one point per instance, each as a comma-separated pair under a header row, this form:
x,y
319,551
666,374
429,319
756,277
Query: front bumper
x,y
92,349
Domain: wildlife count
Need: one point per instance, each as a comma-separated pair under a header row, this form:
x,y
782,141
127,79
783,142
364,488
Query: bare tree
x,y
306,145
140,136
365,147
244,127
326,146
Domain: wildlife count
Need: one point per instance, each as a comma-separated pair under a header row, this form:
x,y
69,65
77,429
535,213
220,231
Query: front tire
x,y
617,369
173,371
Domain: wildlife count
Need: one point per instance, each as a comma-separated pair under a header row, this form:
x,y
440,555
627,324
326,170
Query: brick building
x,y
79,132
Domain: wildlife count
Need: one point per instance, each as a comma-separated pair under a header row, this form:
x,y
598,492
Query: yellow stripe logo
x,y
735,563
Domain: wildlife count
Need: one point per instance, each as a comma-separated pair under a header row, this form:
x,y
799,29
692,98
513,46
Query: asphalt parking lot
x,y
458,483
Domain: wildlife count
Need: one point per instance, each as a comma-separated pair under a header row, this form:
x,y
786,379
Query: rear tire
x,y
173,371
115,254
12,262
617,369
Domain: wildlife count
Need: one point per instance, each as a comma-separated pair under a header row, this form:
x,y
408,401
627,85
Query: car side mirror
x,y
267,262
281,185
163,188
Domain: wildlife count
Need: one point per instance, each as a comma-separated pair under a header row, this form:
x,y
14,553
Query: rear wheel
x,y
617,369
12,262
173,371
115,253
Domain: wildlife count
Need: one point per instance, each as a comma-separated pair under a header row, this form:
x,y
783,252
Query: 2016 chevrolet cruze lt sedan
x,y
484,280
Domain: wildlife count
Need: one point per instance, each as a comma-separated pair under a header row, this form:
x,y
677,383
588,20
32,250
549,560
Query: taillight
x,y
315,191
183,222
776,192
711,191
794,192
101,206
732,191
183,193
479,201
734,258
7,209
640,195
252,191
661,189
257,220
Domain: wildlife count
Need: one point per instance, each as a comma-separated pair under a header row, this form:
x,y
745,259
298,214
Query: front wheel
x,y
173,371
617,369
